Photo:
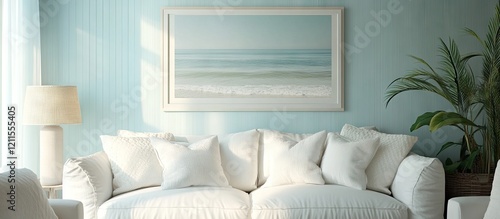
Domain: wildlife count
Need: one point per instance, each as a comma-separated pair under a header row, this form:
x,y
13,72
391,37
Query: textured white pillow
x,y
296,162
393,149
163,135
344,161
239,153
493,210
29,200
198,164
133,162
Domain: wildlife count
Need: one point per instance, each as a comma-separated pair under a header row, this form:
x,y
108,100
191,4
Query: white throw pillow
x,y
22,192
266,150
493,210
133,162
296,162
239,154
198,164
163,135
393,149
344,161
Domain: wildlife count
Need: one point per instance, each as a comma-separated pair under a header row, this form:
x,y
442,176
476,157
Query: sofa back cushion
x,y
89,180
239,155
163,135
239,152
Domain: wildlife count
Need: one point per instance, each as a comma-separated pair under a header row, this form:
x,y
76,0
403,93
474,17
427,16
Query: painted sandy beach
x,y
253,73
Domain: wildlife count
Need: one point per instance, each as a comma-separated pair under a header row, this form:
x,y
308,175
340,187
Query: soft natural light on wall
x,y
150,37
151,74
20,67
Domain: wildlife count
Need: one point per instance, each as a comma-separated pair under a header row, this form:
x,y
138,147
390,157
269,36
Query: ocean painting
x,y
245,56
253,73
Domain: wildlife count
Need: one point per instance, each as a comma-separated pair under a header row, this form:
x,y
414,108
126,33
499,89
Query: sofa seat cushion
x,y
324,201
189,202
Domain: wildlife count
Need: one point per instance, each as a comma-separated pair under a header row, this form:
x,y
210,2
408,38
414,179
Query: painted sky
x,y
253,32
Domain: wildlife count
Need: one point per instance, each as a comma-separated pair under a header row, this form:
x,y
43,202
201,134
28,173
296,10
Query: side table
x,y
52,190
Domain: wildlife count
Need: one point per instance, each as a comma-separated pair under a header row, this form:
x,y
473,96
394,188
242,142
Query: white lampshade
x,y
51,105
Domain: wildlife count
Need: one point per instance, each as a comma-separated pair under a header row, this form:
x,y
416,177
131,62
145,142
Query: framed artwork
x,y
252,59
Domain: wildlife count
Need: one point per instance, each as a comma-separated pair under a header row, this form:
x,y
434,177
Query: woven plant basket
x,y
468,184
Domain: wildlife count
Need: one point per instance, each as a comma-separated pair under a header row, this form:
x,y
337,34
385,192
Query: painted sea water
x,y
253,73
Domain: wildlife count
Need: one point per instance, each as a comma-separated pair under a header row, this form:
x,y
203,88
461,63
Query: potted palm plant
x,y
455,82
476,109
489,89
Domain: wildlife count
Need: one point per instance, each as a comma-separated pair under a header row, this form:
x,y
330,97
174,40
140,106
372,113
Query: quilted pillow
x,y
198,164
295,162
393,149
29,199
133,162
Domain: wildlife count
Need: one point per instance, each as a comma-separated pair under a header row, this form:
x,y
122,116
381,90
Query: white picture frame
x,y
252,59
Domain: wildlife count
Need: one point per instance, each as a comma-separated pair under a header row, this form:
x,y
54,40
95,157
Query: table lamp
x,y
51,106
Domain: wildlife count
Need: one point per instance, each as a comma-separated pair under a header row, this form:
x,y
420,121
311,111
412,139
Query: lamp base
x,y
51,155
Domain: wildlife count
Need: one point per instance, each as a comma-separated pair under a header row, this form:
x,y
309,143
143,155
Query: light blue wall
x,y
111,48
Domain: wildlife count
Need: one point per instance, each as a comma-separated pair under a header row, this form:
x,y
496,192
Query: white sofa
x,y
417,192
467,207
486,207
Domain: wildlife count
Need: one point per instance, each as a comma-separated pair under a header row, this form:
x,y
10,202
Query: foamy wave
x,y
261,90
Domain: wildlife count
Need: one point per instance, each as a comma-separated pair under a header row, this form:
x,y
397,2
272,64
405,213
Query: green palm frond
x,y
463,86
419,79
474,34
456,83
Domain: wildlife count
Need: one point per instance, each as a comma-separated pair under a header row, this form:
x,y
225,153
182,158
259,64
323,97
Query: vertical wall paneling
x,y
111,50
112,56
106,59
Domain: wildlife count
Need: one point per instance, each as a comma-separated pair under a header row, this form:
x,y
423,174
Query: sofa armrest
x,y
89,180
67,209
419,183
467,207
